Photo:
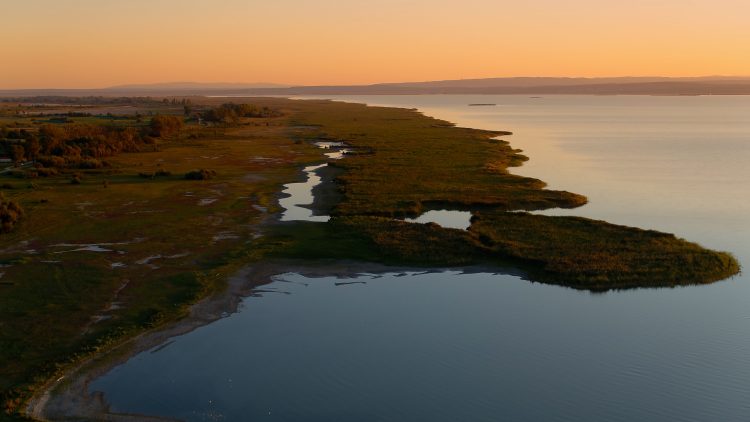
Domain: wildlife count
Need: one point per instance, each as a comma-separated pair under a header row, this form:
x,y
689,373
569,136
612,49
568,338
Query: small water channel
x,y
300,196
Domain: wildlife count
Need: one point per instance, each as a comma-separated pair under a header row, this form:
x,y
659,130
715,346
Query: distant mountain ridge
x,y
707,85
195,85
639,85
536,81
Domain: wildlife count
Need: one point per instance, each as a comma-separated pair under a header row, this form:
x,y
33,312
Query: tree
x,y
163,125
17,152
10,213
32,148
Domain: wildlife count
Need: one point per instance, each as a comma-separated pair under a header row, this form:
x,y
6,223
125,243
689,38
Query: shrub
x,y
46,171
90,163
163,125
231,113
202,174
154,174
51,161
10,213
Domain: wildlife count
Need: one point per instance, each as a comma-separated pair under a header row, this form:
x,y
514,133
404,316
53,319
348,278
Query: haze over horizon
x,y
489,81
336,42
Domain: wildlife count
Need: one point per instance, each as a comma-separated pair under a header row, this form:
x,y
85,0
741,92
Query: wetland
x,y
276,196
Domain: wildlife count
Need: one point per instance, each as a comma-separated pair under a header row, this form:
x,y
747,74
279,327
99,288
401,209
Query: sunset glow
x,y
88,44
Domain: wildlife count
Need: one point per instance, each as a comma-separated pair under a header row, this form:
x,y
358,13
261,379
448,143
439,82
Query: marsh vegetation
x,y
125,248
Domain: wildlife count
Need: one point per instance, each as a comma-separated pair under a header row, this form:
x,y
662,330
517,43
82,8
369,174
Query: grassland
x,y
118,253
405,163
95,263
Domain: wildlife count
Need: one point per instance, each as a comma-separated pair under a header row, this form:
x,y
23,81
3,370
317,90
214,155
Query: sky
x,y
100,43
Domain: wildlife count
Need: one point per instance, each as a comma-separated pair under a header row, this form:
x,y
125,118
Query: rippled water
x,y
451,346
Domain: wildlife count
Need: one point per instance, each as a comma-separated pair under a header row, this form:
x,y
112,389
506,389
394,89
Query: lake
x,y
474,346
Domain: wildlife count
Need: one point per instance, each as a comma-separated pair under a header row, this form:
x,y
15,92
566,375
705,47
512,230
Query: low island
x,y
123,215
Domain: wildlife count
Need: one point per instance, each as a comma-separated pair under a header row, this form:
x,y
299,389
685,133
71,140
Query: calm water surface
x,y
451,346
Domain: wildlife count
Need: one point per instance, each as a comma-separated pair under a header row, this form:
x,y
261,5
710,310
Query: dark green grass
x,y
408,163
570,251
597,255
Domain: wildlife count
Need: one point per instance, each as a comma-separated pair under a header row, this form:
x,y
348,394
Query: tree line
x,y
89,100
231,113
74,145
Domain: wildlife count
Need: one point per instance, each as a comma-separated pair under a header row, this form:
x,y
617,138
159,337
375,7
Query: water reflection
x,y
447,346
445,218
299,195
297,198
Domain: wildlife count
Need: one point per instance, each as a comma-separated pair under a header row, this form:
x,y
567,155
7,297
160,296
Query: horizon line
x,y
287,85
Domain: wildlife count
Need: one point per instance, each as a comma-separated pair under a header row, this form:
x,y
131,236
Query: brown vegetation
x,y
165,125
10,213
414,163
231,113
202,174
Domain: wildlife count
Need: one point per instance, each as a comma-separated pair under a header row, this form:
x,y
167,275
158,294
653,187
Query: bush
x,y
52,161
46,171
202,174
76,179
10,213
162,125
154,174
90,163
231,113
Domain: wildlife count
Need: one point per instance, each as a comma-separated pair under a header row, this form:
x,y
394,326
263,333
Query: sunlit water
x,y
480,347
299,195
446,218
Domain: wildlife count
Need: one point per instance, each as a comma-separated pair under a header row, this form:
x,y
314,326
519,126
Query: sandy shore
x,y
68,397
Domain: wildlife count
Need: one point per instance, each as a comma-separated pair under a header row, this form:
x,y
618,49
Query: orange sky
x,y
99,43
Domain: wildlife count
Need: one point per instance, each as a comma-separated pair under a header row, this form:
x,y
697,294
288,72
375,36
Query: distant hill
x,y
154,90
192,86
519,82
718,85
707,85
